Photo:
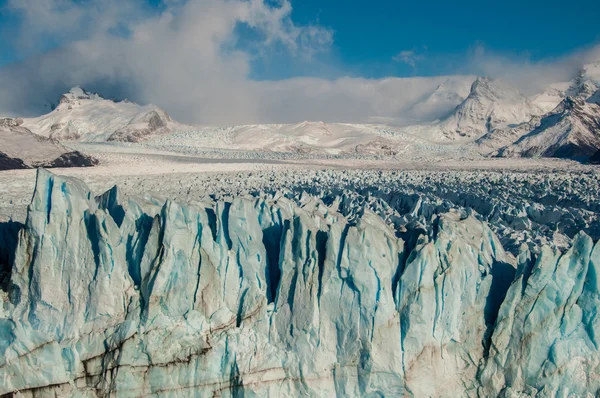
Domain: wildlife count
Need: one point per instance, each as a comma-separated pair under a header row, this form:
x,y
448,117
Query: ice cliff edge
x,y
279,296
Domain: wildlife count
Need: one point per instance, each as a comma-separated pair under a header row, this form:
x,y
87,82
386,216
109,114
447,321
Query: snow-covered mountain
x,y
551,97
587,82
20,149
85,116
572,129
446,97
490,142
490,104
488,116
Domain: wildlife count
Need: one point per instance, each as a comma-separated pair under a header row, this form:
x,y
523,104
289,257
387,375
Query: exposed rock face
x,y
570,130
71,159
155,122
491,104
21,149
84,116
10,163
268,296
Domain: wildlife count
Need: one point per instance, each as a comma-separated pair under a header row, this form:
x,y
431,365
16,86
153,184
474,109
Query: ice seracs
x,y
283,295
545,342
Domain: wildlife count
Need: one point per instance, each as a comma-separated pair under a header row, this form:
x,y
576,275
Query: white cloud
x,y
188,60
408,57
184,59
530,76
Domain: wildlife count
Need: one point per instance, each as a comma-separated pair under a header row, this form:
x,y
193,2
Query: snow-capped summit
x,y
75,94
572,129
490,104
84,116
586,83
446,97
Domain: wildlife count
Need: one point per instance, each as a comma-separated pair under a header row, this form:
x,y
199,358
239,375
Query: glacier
x,y
287,294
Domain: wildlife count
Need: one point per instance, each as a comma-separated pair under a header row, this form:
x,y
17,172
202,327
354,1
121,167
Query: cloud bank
x,y
194,58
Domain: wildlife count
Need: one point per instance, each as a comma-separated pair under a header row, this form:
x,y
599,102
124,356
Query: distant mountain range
x,y
571,129
491,118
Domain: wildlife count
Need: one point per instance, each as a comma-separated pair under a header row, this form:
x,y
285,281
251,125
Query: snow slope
x,y
442,101
572,129
307,138
288,295
490,104
85,116
552,96
20,148
489,116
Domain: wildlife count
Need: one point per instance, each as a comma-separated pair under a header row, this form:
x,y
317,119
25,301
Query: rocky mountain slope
x,y
492,118
21,149
85,116
572,129
491,104
286,296
595,159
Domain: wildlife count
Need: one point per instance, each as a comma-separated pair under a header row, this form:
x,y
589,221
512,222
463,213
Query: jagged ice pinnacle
x,y
269,295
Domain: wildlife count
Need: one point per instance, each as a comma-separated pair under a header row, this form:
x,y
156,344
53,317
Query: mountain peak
x,y
492,89
77,93
586,82
592,71
490,104
481,81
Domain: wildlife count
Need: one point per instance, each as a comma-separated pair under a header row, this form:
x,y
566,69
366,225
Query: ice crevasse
x,y
269,295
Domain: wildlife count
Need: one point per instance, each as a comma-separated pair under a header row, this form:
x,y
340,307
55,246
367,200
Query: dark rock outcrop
x,y
22,149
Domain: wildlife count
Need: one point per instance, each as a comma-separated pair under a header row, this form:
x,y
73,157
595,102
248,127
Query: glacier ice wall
x,y
278,296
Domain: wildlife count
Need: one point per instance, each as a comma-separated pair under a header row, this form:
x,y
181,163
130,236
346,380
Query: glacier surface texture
x,y
287,295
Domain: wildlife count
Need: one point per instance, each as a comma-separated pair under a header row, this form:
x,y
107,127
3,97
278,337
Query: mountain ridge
x,y
493,118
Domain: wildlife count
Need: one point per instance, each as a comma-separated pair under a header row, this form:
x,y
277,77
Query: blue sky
x,y
368,34
243,61
438,35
